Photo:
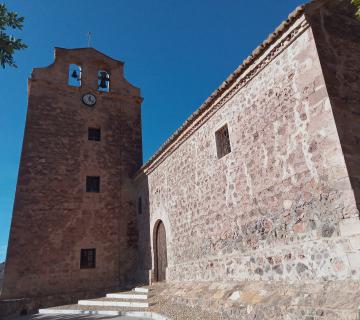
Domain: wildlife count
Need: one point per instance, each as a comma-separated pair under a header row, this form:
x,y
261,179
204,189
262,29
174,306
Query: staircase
x,y
134,303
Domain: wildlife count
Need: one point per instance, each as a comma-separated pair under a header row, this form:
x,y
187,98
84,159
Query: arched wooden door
x,y
161,252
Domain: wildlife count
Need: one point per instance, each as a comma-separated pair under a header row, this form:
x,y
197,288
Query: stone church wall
x,y
280,206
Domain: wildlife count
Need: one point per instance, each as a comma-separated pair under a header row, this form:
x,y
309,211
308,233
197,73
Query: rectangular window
x,y
92,184
87,258
94,134
139,205
222,141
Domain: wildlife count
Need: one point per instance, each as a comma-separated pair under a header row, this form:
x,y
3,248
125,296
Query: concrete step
x,y
97,308
128,296
143,290
111,303
140,314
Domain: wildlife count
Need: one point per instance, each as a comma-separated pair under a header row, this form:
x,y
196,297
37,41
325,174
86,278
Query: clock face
x,y
89,99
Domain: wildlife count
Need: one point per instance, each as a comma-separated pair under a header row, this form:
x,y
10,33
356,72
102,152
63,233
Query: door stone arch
x,y
160,251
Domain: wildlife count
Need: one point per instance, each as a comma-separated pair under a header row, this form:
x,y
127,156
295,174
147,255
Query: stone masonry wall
x,y
273,208
53,216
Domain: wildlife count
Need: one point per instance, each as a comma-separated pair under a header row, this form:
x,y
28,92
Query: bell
x,y
74,74
104,78
103,84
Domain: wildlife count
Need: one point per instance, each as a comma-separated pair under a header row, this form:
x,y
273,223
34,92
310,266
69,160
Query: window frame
x,y
222,141
89,185
85,262
92,136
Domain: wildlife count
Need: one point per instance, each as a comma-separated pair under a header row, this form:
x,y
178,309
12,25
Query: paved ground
x,y
72,317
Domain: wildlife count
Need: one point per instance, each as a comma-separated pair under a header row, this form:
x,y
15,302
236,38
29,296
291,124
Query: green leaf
x,y
8,43
357,4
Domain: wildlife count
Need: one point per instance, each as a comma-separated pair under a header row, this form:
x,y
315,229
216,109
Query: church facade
x,y
261,183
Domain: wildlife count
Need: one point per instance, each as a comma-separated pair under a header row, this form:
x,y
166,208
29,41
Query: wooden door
x,y
161,253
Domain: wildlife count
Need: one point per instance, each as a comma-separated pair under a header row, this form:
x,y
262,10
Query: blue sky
x,y
177,51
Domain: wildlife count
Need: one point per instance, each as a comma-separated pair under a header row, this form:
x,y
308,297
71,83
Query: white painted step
x,y
142,314
143,290
103,303
128,296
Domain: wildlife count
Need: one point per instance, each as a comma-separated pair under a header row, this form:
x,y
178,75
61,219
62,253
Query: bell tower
x,y
73,228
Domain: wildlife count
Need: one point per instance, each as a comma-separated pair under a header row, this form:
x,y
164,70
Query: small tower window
x,y
92,184
74,75
140,209
222,142
87,258
103,81
94,134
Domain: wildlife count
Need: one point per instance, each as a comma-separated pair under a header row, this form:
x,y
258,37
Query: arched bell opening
x,y
74,78
103,81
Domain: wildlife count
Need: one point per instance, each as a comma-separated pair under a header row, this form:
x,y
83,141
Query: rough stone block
x,y
354,260
349,227
355,242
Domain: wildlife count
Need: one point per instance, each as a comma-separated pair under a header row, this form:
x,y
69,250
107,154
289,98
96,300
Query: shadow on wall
x,y
144,263
339,49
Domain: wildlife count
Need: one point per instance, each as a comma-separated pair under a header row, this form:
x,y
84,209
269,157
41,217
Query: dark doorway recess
x,y
160,252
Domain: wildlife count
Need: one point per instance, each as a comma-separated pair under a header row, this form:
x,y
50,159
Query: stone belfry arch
x,y
73,226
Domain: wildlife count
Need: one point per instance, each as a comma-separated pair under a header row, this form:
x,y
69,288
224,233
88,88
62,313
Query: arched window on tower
x,y
103,81
74,75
